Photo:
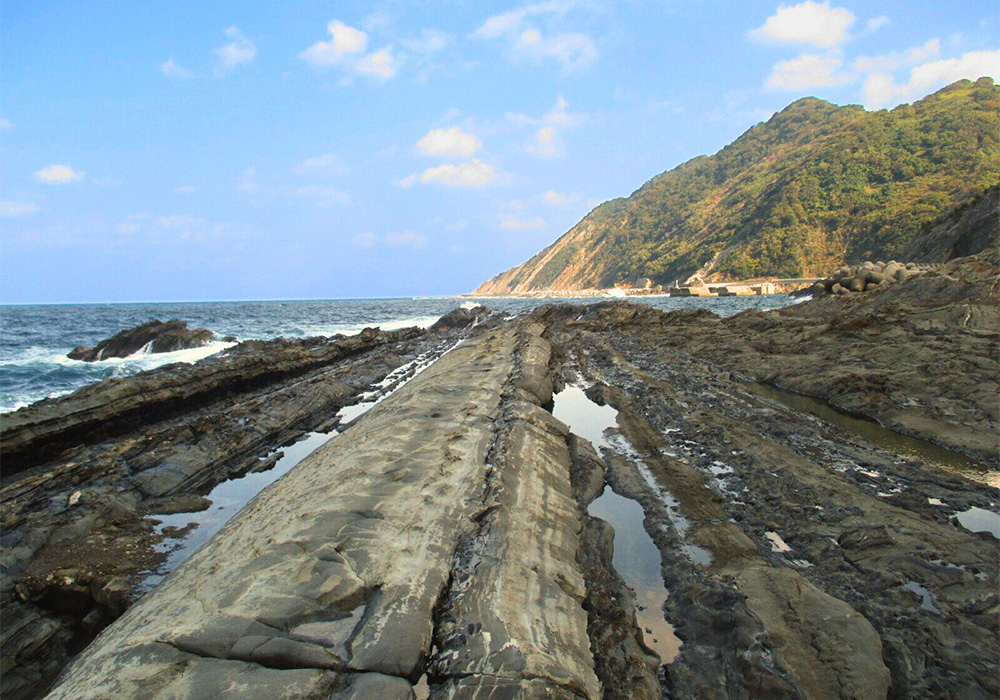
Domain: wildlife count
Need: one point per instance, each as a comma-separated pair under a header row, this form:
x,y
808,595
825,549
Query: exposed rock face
x,y
461,318
444,537
155,336
836,610
114,406
75,536
434,551
967,231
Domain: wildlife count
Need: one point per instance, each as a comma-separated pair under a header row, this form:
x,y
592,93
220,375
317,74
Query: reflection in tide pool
x,y
227,499
636,556
889,440
637,560
980,520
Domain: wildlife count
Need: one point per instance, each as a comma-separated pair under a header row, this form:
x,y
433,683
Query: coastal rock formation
x,y
803,558
83,473
442,544
965,231
155,336
448,549
461,318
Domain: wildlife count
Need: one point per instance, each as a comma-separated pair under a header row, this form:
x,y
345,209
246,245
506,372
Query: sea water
x,y
34,339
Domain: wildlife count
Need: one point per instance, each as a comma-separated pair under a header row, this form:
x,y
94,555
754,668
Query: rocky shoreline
x,y
442,546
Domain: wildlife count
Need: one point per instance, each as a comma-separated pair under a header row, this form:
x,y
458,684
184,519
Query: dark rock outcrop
x,y
967,230
461,318
38,432
156,335
83,473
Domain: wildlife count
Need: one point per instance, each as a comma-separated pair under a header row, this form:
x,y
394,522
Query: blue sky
x,y
232,150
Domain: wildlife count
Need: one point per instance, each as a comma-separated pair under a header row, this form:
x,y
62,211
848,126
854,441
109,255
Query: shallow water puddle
x,y
586,418
229,497
980,520
636,557
926,599
889,440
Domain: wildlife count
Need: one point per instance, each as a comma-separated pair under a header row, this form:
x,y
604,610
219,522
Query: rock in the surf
x,y
461,318
156,335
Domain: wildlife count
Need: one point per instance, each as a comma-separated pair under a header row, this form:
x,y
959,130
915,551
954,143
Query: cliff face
x,y
815,186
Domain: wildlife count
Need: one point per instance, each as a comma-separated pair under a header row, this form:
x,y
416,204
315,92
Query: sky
x,y
227,150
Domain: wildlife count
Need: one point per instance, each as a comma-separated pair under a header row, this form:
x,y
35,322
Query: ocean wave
x,y
354,329
37,373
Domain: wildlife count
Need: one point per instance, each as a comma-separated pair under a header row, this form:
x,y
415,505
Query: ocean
x,y
34,339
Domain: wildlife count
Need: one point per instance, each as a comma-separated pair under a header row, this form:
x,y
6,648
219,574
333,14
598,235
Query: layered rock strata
x,y
439,536
77,534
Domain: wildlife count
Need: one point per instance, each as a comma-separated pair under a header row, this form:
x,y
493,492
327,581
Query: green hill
x,y
815,186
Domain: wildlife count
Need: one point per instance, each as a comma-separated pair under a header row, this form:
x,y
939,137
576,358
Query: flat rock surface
x,y
337,569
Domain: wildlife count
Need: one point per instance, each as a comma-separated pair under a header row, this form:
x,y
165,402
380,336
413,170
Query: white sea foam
x,y
418,321
144,358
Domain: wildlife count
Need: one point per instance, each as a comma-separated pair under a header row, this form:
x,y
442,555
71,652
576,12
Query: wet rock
x,y
461,318
304,556
154,336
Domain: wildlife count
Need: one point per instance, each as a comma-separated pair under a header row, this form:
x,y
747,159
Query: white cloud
x,y
875,23
8,209
512,223
881,89
558,199
574,51
500,25
898,59
346,50
364,240
179,221
545,142
5,124
325,165
58,174
449,142
405,239
472,174
132,223
808,22
344,40
429,41
186,189
806,71
249,182
240,51
380,65
170,69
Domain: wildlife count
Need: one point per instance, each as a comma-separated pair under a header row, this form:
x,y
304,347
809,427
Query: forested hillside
x,y
815,186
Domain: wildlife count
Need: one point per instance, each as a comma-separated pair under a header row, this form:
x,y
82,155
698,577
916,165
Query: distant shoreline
x,y
706,289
